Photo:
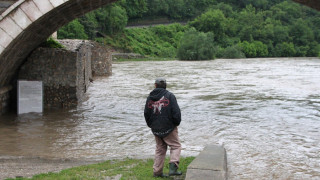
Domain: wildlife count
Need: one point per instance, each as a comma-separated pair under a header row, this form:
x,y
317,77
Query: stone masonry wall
x,y
101,60
66,73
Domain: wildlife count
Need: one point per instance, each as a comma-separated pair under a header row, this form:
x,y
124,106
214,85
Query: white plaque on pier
x,y
30,96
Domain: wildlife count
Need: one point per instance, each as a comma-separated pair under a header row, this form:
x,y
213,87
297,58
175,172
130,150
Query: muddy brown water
x,y
265,112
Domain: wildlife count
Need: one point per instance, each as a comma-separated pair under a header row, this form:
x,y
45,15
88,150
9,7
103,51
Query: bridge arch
x,y
27,23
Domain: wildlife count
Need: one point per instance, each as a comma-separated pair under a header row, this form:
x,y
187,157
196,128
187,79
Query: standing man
x,y
162,114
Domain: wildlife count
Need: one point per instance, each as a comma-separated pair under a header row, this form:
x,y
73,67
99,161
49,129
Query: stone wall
x,y
101,60
4,99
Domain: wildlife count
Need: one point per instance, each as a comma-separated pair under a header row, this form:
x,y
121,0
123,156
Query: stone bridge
x,y
24,24
27,23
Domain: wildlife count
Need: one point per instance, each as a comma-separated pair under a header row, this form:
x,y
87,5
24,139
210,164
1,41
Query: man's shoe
x,y
173,170
160,175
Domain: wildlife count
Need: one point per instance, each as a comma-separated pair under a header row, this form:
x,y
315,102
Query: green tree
x,y
73,30
248,49
287,12
233,52
254,49
261,49
211,21
111,19
301,33
157,7
250,24
285,50
90,24
281,34
195,8
314,49
134,8
196,45
176,9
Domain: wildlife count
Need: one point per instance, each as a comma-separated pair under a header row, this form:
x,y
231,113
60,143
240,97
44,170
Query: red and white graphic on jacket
x,y
158,105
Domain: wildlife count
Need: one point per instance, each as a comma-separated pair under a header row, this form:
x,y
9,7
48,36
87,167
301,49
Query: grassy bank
x,y
139,169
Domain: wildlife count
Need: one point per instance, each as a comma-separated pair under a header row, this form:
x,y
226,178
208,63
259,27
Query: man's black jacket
x,y
162,112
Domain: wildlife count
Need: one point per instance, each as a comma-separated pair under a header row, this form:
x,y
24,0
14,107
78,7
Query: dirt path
x,y
11,167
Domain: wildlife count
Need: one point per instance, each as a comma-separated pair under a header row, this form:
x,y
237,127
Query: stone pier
x,y
66,73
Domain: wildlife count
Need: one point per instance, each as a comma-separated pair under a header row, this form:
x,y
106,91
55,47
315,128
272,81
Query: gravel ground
x,y
11,167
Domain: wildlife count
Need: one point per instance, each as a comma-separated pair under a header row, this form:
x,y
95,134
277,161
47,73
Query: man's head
x,y
161,83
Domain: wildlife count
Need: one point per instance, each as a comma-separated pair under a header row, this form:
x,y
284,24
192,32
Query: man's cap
x,y
161,79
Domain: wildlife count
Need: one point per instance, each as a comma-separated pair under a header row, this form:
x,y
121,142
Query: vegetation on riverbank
x,y
223,29
126,169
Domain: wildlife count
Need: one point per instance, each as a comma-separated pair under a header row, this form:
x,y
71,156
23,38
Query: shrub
x,y
196,45
51,43
254,49
248,49
285,50
73,30
233,52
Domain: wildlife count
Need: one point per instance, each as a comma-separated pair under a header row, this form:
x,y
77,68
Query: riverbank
x,y
12,167
39,168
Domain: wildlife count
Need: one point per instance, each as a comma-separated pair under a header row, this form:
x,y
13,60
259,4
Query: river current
x,y
265,112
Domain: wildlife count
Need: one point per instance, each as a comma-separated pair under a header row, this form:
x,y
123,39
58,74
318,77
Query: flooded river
x,y
265,112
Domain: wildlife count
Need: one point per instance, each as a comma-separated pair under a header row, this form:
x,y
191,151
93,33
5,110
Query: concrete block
x,y
44,5
5,38
21,19
31,10
200,174
211,164
8,25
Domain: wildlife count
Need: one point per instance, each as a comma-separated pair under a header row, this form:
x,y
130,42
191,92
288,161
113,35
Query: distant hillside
x,y
231,28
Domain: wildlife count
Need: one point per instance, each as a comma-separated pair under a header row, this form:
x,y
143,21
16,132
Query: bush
x,y
254,49
233,52
73,30
51,43
248,49
196,45
284,50
261,49
211,21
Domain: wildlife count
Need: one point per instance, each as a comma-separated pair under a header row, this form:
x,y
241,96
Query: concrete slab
x,y
211,164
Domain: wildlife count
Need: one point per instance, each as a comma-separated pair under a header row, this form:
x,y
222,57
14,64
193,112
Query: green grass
x,y
131,169
157,41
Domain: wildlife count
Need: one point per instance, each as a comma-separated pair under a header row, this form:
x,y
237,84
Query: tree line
x,y
215,28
